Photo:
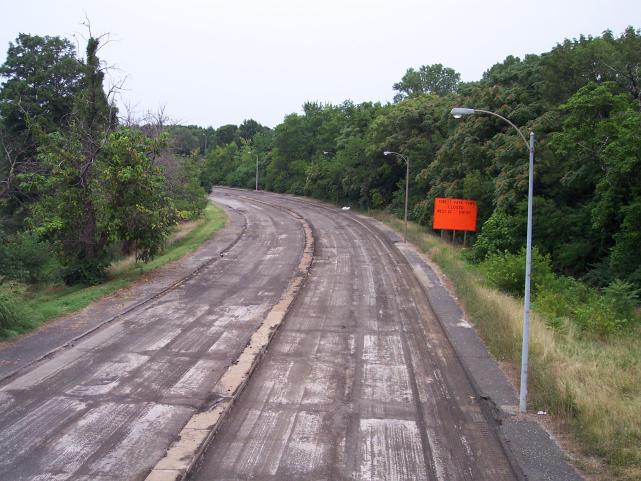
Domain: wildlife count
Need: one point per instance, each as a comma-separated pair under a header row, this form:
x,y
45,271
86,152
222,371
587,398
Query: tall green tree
x,y
134,204
41,79
428,79
101,186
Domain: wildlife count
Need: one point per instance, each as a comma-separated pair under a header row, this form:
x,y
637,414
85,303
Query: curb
x,y
193,439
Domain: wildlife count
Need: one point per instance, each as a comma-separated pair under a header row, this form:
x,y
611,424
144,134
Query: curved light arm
x,y
387,152
458,112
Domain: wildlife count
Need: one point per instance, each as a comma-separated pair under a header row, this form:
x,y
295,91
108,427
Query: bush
x,y
12,316
85,272
506,271
565,299
600,316
497,236
24,257
557,299
9,314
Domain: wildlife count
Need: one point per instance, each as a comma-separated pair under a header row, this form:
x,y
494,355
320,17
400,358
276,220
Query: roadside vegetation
x,y
24,306
89,198
585,357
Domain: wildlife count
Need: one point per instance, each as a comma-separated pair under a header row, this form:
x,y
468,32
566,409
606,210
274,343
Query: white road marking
x,y
138,446
36,426
194,379
385,383
391,450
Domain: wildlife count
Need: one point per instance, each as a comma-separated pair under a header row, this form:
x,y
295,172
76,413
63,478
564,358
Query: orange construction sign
x,y
454,214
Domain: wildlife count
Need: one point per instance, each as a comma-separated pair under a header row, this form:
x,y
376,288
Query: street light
x,y
250,152
256,172
407,185
459,112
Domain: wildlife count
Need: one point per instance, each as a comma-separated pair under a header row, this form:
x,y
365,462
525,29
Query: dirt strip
x,y
201,428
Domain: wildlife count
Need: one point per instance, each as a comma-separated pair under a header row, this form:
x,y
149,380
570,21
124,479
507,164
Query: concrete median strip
x,y
183,454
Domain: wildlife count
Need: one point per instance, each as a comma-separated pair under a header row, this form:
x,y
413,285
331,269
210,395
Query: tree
x,y
249,128
101,186
135,206
434,79
185,140
41,78
226,134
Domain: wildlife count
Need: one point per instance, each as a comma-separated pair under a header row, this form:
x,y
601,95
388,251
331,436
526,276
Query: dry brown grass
x,y
591,385
181,231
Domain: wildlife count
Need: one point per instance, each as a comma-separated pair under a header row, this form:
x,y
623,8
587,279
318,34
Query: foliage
x,y
135,206
41,78
428,79
28,308
500,233
506,271
11,315
100,187
582,101
24,257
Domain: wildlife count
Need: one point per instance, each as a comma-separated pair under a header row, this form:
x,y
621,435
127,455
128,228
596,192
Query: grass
x,y
591,385
46,302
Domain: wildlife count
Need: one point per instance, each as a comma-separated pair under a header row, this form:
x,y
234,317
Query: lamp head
x,y
458,112
387,152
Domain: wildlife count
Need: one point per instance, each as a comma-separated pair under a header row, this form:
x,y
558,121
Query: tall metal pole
x,y
256,172
407,189
407,185
528,278
459,112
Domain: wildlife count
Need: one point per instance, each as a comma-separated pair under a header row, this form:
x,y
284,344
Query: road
x,y
359,383
108,407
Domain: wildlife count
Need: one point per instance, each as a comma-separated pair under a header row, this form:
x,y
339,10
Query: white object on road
x,y
346,208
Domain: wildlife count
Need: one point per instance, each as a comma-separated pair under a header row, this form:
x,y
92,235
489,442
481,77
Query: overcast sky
x,y
222,61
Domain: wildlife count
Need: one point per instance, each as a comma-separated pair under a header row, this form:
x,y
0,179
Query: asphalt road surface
x,y
108,407
359,383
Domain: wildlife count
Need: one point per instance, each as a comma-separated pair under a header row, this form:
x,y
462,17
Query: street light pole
x,y
407,186
256,172
459,112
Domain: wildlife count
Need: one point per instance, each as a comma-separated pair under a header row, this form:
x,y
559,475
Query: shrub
x,y
9,315
24,257
624,296
557,299
506,271
598,316
85,271
565,299
12,316
497,236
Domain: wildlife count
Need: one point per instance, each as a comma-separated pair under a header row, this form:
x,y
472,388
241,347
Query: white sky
x,y
222,61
